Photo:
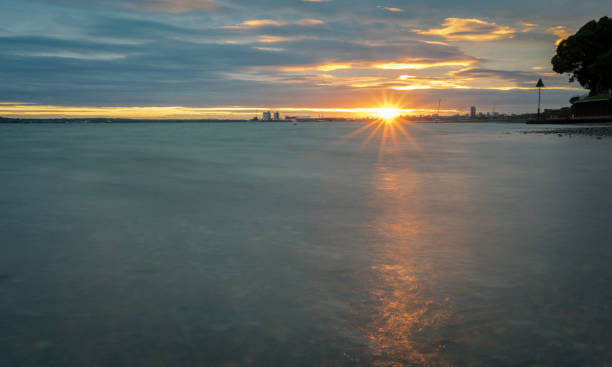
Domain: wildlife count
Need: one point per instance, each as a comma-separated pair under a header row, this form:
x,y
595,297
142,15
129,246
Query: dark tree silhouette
x,y
587,56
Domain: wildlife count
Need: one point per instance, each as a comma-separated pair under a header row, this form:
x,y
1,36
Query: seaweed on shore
x,y
595,132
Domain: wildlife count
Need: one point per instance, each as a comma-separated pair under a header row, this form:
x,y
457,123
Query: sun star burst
x,y
387,113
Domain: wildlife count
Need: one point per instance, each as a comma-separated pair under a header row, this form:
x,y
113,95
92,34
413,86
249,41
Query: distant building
x,y
598,106
473,112
276,116
562,113
267,116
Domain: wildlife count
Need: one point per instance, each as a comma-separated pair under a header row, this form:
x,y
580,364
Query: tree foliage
x,y
587,56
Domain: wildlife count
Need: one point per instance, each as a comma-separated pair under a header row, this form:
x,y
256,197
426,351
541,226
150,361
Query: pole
x,y
539,96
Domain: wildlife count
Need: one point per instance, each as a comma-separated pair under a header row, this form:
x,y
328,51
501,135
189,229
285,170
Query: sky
x,y
235,58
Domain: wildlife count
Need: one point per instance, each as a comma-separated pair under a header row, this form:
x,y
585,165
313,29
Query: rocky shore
x,y
595,132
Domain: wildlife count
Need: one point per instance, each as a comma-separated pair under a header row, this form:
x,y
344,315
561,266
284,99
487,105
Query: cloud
x,y
476,30
560,31
410,82
480,78
395,10
437,43
320,67
46,47
256,23
309,22
499,74
73,55
418,64
527,27
172,6
271,49
278,39
75,52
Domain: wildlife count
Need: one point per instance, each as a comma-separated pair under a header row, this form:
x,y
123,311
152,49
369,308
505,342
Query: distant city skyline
x,y
233,58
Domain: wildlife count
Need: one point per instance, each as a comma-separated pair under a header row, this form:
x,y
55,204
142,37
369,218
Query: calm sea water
x,y
312,245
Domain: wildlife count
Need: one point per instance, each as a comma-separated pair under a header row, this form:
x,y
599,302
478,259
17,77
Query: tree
x,y
587,56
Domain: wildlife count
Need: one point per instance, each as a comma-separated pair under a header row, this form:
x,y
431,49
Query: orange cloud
x,y
261,23
526,26
437,43
476,30
455,85
418,64
309,22
560,31
410,82
487,80
255,23
457,74
395,10
272,49
277,39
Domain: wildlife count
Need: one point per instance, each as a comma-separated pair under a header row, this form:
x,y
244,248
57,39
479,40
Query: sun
x,y
387,113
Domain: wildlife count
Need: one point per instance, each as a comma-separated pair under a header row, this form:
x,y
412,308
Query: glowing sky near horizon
x,y
142,58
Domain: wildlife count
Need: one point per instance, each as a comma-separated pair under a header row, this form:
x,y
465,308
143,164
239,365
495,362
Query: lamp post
x,y
540,85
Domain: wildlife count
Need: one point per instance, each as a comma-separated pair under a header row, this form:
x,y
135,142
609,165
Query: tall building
x,y
473,112
276,116
267,116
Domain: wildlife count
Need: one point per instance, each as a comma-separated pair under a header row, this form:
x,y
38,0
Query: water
x,y
310,245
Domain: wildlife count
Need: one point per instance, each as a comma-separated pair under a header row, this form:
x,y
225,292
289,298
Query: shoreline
x,y
104,120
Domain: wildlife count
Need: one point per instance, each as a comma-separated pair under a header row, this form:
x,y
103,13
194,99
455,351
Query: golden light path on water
x,y
407,311
405,307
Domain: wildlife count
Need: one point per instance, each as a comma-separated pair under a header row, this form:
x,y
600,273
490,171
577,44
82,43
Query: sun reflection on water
x,y
407,313
408,308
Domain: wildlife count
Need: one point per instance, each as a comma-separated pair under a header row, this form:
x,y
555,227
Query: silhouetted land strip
x,y
104,120
7,120
595,132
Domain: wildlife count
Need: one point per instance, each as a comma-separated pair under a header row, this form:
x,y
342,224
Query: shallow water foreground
x,y
310,245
